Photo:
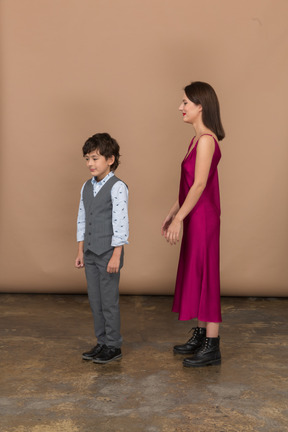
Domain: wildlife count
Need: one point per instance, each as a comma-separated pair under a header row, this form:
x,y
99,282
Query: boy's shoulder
x,y
114,181
84,184
119,182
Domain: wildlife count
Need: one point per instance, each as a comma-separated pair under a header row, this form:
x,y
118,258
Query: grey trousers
x,y
103,293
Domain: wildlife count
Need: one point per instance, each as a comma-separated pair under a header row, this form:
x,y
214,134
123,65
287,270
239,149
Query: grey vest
x,y
98,217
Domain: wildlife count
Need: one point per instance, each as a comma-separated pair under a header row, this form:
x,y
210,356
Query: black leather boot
x,y
208,354
193,343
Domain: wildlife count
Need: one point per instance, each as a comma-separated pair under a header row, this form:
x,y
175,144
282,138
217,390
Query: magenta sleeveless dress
x,y
197,291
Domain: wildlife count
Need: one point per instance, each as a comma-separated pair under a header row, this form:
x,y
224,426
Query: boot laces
x,y
195,333
203,347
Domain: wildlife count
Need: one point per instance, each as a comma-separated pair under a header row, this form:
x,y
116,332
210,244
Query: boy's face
x,y
98,165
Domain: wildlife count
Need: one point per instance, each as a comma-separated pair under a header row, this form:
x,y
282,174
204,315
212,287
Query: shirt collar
x,y
103,181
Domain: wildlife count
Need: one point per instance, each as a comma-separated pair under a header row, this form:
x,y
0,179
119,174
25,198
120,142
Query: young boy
x,y
102,230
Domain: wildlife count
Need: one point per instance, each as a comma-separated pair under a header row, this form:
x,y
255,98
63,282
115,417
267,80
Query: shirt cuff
x,y
118,242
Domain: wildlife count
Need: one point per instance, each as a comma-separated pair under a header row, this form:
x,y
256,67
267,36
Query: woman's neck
x,y
202,131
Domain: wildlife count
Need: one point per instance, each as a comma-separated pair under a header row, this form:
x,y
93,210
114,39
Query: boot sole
x,y
208,363
184,352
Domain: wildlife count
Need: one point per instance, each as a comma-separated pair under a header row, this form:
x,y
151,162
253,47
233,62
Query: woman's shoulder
x,y
207,138
207,141
208,145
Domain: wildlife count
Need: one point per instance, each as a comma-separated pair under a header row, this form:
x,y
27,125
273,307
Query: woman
x,y
197,291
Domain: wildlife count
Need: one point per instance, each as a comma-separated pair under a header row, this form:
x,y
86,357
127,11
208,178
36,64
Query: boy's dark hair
x,y
106,145
201,93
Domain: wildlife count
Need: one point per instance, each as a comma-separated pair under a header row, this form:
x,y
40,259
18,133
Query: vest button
x,y
89,244
89,233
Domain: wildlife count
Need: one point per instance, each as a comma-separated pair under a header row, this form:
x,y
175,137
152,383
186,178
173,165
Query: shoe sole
x,y
87,358
208,363
184,352
99,361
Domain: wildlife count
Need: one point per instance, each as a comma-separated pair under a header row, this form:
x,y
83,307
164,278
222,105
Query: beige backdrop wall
x,y
76,67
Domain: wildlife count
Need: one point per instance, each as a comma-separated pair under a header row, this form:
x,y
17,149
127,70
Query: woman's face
x,y
190,110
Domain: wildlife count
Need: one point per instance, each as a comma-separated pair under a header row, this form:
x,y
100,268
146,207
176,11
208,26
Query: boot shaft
x,y
209,345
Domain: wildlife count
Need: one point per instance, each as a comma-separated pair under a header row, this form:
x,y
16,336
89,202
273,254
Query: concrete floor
x,y
47,387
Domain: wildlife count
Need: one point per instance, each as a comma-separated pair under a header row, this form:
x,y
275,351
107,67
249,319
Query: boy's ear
x,y
111,160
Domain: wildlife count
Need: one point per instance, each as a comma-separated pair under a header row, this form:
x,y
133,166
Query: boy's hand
x,y
113,265
79,262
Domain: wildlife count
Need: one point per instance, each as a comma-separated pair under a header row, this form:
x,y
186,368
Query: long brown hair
x,y
203,94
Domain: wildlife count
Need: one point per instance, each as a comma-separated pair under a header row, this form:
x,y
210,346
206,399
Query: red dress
x,y
197,291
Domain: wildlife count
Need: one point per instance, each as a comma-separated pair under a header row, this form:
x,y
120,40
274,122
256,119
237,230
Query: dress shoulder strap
x,y
190,145
208,135
215,140
204,135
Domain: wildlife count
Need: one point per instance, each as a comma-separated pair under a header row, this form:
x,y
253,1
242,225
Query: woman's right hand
x,y
169,218
165,225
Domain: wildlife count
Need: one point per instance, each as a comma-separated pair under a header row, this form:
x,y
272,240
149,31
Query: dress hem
x,y
199,319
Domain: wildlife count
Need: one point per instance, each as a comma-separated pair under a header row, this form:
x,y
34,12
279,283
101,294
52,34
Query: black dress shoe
x,y
193,343
107,355
89,355
208,354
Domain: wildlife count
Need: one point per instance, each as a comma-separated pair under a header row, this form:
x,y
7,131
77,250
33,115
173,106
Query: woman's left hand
x,y
173,232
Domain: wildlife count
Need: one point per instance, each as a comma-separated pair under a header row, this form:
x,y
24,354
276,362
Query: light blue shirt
x,y
120,221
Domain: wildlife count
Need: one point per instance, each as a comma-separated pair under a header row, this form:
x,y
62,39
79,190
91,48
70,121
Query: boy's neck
x,y
107,175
